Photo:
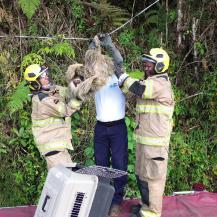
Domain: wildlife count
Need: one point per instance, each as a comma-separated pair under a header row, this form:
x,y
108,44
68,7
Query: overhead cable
x,y
145,9
84,39
44,37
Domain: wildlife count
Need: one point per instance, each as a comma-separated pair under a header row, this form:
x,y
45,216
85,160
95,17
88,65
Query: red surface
x,y
202,204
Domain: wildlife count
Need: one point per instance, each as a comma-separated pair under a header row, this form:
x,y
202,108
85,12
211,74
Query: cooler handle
x,y
45,202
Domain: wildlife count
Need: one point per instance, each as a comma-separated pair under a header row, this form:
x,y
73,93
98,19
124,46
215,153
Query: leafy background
x,y
193,72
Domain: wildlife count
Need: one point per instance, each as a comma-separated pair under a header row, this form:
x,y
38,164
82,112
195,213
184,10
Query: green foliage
x,y
189,161
131,189
151,17
58,49
172,16
127,41
31,58
78,13
27,169
29,7
136,74
18,98
153,38
109,13
63,48
201,48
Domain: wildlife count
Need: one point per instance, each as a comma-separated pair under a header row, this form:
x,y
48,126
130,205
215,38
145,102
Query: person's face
x,y
44,80
149,69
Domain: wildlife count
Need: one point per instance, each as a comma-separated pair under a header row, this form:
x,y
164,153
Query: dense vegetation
x,y
186,28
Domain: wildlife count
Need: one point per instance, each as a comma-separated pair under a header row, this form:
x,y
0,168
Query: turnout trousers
x,y
111,148
151,170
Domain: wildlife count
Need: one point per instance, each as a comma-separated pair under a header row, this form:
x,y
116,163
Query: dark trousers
x,y
110,142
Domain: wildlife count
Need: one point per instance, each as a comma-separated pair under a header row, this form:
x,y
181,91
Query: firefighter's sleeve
x,y
58,108
153,89
133,85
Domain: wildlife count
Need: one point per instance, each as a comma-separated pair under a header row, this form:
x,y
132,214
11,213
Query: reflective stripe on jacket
x,y
51,121
154,110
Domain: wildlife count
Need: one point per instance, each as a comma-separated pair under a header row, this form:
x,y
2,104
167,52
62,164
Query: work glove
x,y
106,42
95,43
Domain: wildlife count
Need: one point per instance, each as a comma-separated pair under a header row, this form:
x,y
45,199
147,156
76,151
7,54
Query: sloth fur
x,y
96,70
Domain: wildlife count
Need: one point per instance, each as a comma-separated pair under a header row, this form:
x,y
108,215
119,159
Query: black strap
x,y
42,95
137,88
51,153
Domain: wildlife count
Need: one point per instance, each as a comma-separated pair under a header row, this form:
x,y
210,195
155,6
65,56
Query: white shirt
x,y
110,101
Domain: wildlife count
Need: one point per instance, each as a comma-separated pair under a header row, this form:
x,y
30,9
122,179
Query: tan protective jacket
x,y
154,110
51,122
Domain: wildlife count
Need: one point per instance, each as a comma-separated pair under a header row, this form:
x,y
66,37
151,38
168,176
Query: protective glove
x,y
105,40
95,43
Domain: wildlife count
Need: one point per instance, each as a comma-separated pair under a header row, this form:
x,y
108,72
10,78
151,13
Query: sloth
x,y
85,80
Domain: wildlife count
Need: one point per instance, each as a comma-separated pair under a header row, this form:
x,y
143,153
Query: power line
x,y
75,38
145,9
44,37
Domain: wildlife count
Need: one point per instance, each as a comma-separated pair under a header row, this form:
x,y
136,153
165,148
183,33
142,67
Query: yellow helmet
x,y
31,75
159,57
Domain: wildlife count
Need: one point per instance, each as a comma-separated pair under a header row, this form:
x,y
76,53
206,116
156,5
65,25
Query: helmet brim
x,y
146,58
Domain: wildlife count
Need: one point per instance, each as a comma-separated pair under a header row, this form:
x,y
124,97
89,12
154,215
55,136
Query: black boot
x,y
135,208
144,191
135,215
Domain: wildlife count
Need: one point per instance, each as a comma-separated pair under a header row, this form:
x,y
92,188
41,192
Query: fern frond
x,y
31,58
114,13
59,49
29,7
152,17
63,48
18,98
152,20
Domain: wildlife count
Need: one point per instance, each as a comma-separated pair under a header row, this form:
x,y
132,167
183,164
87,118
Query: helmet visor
x,y
44,72
146,58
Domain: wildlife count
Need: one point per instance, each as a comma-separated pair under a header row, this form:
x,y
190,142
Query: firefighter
x,y
155,105
51,111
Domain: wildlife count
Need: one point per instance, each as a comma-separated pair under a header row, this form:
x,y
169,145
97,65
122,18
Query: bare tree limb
x,y
179,22
201,36
191,96
133,11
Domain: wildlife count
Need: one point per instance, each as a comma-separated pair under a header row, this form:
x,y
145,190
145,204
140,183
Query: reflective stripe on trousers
x,y
153,141
57,145
147,213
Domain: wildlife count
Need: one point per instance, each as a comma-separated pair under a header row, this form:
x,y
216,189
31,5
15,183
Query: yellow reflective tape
x,y
74,103
62,109
63,91
46,122
154,141
44,148
124,89
147,213
148,89
158,109
127,83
